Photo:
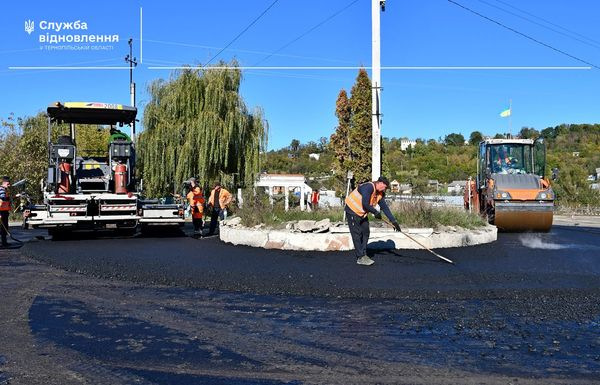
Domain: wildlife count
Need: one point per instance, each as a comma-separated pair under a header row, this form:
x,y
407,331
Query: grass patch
x,y
257,209
420,213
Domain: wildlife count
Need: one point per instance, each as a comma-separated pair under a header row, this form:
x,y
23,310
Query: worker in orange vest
x,y
196,200
314,199
4,209
359,204
219,200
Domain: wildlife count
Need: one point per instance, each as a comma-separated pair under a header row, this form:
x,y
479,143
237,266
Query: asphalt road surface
x,y
177,310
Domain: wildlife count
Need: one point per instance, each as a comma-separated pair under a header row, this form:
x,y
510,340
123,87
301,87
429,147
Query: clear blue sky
x,y
300,103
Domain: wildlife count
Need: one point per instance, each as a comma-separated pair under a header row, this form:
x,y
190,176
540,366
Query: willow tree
x,y
196,124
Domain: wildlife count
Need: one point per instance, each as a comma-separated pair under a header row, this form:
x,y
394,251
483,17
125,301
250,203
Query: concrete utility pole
x,y
376,7
132,63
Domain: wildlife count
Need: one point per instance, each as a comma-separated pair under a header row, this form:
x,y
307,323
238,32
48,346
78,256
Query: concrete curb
x,y
380,239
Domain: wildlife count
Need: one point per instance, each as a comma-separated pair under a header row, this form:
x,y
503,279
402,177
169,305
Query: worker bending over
x,y
359,204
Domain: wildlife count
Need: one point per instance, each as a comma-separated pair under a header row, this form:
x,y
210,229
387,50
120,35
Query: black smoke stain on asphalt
x,y
120,339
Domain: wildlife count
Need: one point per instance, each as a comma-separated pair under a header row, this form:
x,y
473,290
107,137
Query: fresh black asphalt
x,y
176,310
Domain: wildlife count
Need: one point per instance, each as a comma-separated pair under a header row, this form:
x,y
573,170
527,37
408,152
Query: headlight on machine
x,y
544,195
502,195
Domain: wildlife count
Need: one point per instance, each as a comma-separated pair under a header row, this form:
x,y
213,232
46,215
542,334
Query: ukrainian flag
x,y
505,113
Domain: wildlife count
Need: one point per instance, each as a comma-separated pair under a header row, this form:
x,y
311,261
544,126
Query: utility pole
x,y
132,63
377,6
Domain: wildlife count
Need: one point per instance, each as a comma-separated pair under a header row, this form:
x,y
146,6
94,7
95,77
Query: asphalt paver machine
x,y
95,192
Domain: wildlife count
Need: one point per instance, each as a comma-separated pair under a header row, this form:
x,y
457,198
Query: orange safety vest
x,y
224,198
196,200
314,198
5,205
354,201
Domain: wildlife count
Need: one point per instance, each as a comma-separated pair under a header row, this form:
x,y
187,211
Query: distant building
x,y
283,184
456,187
314,156
327,198
433,183
405,143
405,189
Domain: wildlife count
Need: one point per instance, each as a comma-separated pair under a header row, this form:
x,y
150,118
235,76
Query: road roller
x,y
510,188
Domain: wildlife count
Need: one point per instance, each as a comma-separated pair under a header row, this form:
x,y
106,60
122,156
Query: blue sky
x,y
300,103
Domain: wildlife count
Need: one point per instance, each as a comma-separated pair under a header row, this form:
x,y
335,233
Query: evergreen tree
x,y
340,139
360,128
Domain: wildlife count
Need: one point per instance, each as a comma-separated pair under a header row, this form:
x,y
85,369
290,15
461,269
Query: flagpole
x,y
510,117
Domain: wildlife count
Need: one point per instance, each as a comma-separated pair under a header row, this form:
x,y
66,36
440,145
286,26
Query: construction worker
x,y
314,199
4,208
196,200
218,201
359,204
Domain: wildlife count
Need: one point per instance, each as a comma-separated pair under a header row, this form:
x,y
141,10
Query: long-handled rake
x,y
420,244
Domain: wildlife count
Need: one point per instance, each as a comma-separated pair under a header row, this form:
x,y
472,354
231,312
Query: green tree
x,y
361,128
528,133
340,139
454,140
475,138
295,145
197,124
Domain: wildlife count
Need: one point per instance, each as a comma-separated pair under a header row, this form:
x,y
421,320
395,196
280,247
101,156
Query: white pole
x,y
287,197
376,87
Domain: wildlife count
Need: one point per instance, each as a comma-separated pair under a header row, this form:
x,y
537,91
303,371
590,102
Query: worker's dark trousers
x,y
197,224
359,230
4,226
214,219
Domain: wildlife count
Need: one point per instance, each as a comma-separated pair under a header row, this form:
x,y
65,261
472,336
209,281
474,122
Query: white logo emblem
x,y
29,26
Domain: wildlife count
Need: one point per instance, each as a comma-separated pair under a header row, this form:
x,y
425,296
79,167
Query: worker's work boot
x,y
365,260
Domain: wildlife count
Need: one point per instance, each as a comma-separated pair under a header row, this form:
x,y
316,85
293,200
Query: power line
x,y
307,32
524,35
542,25
549,22
243,31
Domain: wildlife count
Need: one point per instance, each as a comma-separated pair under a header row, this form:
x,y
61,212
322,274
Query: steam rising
x,y
535,242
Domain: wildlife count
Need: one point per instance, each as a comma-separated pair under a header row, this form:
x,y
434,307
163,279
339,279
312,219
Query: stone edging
x,y
340,240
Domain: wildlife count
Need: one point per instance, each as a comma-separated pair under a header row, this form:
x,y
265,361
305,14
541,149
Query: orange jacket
x,y
225,198
354,201
196,201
